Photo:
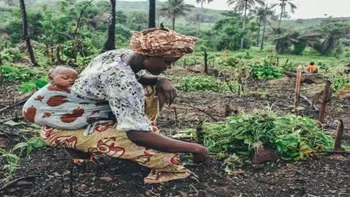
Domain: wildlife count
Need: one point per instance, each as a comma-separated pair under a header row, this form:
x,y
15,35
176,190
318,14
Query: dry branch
x,y
310,102
16,180
8,119
308,78
19,100
324,101
201,110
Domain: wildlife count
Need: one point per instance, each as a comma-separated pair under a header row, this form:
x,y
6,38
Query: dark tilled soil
x,y
56,175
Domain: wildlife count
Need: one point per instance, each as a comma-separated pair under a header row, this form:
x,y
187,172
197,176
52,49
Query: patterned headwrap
x,y
161,42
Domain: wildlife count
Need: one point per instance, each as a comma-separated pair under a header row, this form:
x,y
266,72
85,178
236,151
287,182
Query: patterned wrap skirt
x,y
104,139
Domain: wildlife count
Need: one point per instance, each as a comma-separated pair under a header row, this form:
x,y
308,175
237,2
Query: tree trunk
x,y
258,36
110,42
244,21
206,62
152,14
281,15
173,19
200,16
25,35
264,29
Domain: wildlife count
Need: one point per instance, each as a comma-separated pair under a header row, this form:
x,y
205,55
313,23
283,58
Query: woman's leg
x,y
106,140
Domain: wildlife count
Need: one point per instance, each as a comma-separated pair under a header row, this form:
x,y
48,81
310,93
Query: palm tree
x,y
202,2
174,8
25,35
259,13
243,6
110,42
152,13
283,4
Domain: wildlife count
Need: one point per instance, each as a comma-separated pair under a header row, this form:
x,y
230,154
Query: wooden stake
x,y
337,141
324,101
297,88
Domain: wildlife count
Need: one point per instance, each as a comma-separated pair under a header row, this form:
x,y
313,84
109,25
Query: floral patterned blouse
x,y
108,78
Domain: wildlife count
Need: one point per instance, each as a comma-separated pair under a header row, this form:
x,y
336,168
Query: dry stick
x,y
297,88
16,180
175,116
324,101
201,111
337,141
310,102
8,119
19,100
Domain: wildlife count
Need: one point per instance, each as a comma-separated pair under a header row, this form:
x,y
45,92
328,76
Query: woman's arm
x,y
164,144
148,79
165,89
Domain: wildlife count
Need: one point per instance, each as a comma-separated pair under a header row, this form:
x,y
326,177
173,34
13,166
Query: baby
x,y
49,105
62,77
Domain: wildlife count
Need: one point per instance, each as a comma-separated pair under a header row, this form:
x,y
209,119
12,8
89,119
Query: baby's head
x,y
62,76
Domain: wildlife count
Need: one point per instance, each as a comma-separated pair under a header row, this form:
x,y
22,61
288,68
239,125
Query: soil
x,y
51,172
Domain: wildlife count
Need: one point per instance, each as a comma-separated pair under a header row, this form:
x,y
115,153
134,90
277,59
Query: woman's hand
x,y
166,91
201,154
165,144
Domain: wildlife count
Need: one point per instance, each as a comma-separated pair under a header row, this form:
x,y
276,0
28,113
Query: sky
x,y
306,8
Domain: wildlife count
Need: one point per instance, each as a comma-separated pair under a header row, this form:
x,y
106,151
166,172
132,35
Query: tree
x,y
121,17
152,14
259,13
200,14
264,16
203,1
229,33
137,20
25,35
243,6
331,32
174,8
110,42
283,4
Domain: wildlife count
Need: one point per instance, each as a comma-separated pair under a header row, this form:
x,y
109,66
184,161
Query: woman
x,y
113,79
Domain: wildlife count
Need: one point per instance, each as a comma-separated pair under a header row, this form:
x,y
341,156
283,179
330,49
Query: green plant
x,y
266,70
11,55
292,137
340,82
15,73
12,156
231,62
33,84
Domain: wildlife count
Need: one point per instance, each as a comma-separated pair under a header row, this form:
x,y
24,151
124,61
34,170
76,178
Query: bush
x,y
11,55
266,71
12,73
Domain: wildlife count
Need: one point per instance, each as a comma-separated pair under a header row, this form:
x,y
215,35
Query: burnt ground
x,y
50,172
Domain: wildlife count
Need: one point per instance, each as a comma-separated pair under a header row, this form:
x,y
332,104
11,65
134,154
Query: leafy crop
x,y
12,157
33,84
206,83
266,71
340,82
13,73
292,137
